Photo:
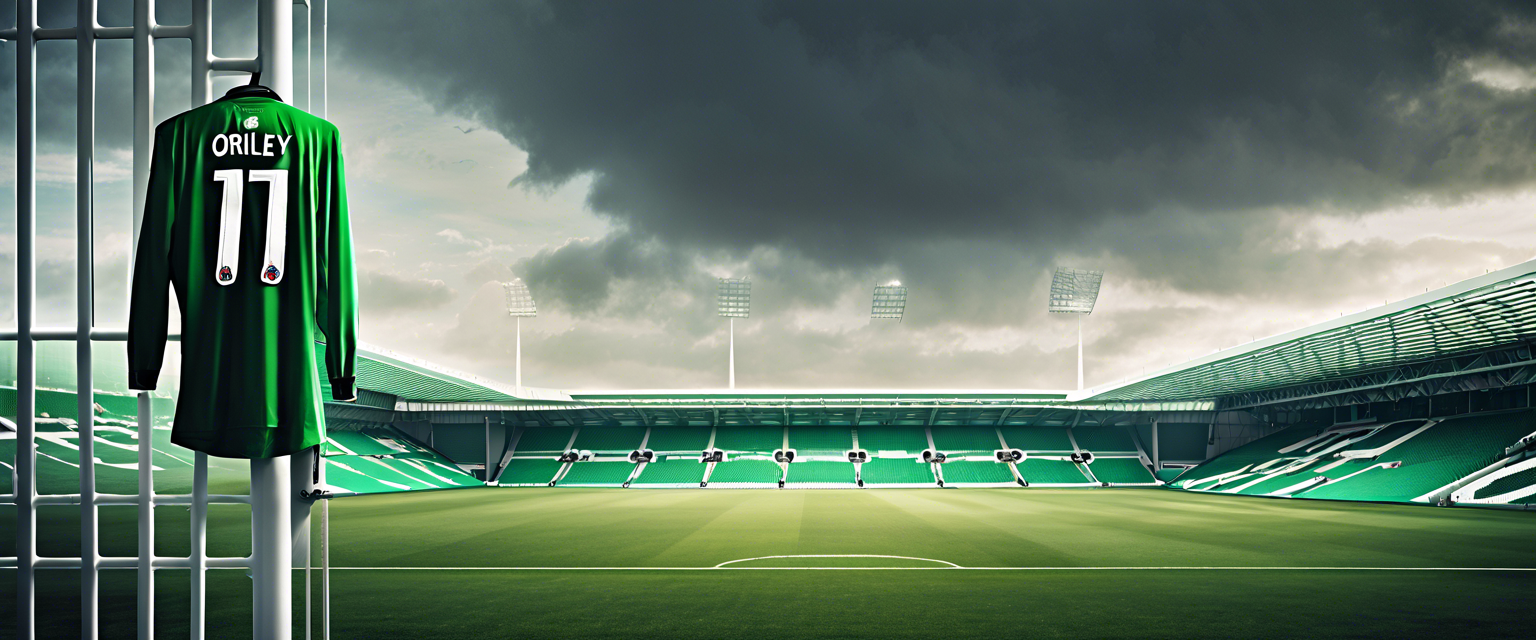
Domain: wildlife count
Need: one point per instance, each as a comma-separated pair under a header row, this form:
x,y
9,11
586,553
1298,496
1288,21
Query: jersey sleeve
x,y
336,308
149,306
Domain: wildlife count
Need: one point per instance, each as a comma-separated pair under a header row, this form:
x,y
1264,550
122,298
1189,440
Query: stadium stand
x,y
963,472
680,471
1120,471
378,458
820,472
1437,457
1402,461
1037,438
543,440
1103,439
753,471
609,439
1169,474
908,439
691,439
1048,472
966,439
1519,481
601,473
820,441
749,439
896,471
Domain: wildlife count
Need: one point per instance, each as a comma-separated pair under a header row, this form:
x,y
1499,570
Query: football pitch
x,y
535,563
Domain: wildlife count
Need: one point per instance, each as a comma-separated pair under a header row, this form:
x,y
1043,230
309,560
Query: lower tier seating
x,y
820,472
604,473
897,471
1043,471
1120,471
746,471
679,471
529,471
976,472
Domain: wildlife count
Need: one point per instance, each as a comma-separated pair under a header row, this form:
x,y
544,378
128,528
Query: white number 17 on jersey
x,y
229,223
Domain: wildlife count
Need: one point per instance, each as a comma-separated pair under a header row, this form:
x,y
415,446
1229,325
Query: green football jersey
x,y
246,217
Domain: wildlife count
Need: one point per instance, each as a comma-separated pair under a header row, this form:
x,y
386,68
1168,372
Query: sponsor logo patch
x,y
252,122
225,275
271,273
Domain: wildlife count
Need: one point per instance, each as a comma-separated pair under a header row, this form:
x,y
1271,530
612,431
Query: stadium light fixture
x,y
519,305
890,301
1075,291
733,297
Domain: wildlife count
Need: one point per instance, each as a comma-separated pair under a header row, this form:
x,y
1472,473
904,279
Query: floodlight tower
x,y
890,301
733,297
519,305
1075,291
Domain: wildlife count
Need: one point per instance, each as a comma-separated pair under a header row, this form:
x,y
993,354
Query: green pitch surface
x,y
539,562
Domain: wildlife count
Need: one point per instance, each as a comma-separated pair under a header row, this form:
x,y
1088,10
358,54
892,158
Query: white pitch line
x,y
949,568
855,555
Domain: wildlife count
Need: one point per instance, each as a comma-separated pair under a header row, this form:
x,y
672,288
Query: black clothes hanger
x,y
252,90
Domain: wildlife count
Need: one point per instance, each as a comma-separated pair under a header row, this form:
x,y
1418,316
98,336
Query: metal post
x,y
1079,352
199,568
519,357
143,138
733,353
325,102
272,491
85,142
202,93
26,286
1157,460
271,549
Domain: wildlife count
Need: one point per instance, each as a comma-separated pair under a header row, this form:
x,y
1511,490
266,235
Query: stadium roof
x,y
1485,312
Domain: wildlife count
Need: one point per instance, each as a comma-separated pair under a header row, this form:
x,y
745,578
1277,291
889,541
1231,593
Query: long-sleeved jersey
x,y
246,216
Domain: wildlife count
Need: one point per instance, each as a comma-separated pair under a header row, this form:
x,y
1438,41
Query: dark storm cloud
x,y
851,130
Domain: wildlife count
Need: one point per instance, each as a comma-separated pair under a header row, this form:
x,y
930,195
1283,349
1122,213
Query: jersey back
x,y
246,218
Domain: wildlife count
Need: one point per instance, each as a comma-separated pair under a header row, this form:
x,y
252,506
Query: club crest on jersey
x,y
271,273
252,122
225,275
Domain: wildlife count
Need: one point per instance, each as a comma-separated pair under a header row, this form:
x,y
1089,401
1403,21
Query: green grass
x,y
541,527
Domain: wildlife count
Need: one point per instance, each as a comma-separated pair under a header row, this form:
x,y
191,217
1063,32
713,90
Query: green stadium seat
x,y
536,441
746,471
880,471
819,472
959,472
600,473
1440,455
1043,471
672,471
1120,471
1512,482
529,471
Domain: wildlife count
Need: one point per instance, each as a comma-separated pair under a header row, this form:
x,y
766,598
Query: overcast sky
x,y
1238,170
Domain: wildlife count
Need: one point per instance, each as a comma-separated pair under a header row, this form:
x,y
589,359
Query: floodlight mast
x,y
733,297
890,302
1075,291
519,305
